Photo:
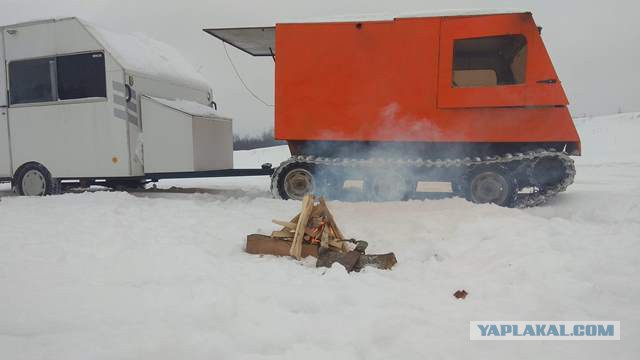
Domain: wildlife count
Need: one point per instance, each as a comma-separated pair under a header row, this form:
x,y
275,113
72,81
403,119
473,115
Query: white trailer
x,y
80,103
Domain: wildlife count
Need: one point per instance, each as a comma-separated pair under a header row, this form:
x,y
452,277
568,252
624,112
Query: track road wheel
x,y
295,181
33,179
491,185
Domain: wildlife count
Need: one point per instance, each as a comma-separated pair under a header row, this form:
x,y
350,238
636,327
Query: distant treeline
x,y
255,142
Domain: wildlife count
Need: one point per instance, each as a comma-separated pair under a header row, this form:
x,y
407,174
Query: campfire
x,y
314,232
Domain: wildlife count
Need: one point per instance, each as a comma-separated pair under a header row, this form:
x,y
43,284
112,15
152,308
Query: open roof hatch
x,y
257,41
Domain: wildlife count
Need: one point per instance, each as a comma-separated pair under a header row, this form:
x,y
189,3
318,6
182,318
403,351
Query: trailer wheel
x,y
491,185
295,181
33,179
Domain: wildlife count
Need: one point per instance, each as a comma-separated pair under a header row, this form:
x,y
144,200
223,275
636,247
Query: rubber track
x,y
522,201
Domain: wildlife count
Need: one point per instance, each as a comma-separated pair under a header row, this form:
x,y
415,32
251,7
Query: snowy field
x,y
163,275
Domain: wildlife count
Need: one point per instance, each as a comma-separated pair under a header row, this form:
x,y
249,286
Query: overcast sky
x,y
595,45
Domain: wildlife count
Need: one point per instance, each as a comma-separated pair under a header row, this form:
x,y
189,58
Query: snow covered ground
x,y
112,275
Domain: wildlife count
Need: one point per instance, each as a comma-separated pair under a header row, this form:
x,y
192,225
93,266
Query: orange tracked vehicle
x,y
470,99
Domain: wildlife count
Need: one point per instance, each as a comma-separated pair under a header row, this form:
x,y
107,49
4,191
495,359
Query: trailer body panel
x,y
178,141
3,73
5,155
213,143
75,105
75,136
72,140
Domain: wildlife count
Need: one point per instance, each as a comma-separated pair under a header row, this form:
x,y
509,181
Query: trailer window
x,y
32,81
490,61
81,76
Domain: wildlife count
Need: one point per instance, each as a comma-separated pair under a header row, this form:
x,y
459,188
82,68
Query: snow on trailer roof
x,y
260,41
143,55
137,53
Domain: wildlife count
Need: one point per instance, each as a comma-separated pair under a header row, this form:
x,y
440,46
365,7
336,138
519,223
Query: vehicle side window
x,y
81,76
65,77
32,81
489,61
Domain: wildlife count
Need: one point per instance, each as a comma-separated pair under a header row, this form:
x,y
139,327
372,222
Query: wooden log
x,y
380,261
327,257
354,260
282,234
350,260
266,245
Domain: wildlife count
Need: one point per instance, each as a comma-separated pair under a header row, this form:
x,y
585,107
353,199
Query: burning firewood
x,y
314,225
314,232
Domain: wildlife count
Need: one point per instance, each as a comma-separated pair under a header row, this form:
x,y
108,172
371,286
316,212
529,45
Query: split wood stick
x,y
324,240
295,219
336,244
286,224
318,210
291,227
296,245
331,220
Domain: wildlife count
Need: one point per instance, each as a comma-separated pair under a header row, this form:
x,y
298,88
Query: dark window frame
x,y
55,82
499,54
78,78
20,70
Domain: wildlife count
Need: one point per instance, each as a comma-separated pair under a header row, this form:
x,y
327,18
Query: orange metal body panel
x,y
391,81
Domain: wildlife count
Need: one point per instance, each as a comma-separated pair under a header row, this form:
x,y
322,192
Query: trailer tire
x,y
34,179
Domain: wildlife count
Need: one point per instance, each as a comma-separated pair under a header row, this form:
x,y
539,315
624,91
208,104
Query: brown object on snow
x,y
355,260
461,294
314,232
380,261
267,245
